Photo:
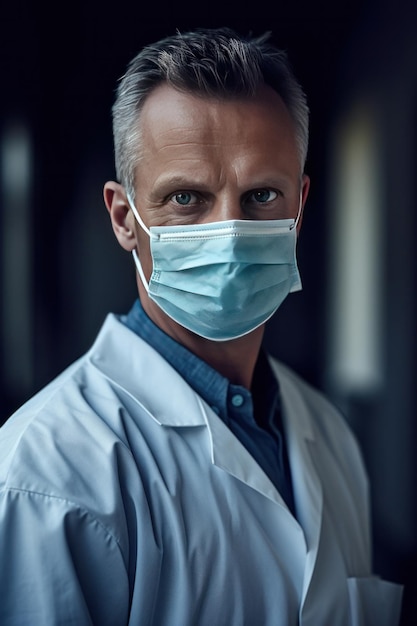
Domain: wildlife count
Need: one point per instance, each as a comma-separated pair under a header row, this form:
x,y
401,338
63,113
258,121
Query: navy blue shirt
x,y
253,416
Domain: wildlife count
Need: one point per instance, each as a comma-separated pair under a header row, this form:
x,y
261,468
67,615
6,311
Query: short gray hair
x,y
208,62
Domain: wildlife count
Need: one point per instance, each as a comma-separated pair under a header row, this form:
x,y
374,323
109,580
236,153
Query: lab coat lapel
x,y
230,455
302,453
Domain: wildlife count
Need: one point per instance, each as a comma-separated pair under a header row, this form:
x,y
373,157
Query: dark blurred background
x,y
351,331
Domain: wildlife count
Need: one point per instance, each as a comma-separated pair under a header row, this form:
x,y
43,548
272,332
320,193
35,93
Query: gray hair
x,y
208,62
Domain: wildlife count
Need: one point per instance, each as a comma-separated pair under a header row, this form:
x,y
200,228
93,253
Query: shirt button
x,y
237,400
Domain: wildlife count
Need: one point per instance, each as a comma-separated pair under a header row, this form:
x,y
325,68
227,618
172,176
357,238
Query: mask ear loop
x,y
137,216
297,219
134,253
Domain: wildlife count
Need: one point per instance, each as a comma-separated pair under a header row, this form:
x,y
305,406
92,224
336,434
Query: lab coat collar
x,y
115,354
293,401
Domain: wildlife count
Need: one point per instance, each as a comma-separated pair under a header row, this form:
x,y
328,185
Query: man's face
x,y
205,160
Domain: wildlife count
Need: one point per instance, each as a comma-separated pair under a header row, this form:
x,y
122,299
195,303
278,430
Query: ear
x,y
304,193
120,214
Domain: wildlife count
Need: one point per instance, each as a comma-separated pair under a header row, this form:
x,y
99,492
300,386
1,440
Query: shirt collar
x,y
210,385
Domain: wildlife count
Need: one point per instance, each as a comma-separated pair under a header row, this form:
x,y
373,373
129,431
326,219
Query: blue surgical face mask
x,y
221,280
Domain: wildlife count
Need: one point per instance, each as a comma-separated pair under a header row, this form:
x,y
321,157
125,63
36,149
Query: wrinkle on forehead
x,y
172,111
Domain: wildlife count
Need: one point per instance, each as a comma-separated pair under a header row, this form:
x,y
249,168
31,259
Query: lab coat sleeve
x,y
59,565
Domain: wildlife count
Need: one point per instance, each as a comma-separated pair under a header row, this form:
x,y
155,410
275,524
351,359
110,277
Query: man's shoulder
x,y
46,424
76,387
67,430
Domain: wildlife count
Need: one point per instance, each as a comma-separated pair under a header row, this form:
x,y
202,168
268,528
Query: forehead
x,y
170,116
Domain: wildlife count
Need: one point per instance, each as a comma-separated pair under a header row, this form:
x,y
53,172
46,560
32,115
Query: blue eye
x,y
183,198
264,195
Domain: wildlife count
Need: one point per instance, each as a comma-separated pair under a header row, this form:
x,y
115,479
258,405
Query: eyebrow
x,y
178,180
166,184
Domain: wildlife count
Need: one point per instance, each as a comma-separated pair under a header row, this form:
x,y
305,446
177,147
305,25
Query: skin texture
x,y
207,160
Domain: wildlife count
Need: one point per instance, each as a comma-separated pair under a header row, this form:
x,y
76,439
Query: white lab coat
x,y
124,499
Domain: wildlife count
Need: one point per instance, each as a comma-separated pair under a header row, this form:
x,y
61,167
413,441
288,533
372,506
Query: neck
x,y
234,359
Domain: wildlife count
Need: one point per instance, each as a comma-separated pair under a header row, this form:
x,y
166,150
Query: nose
x,y
227,207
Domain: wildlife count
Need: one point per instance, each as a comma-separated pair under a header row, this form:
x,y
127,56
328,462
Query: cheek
x,y
144,252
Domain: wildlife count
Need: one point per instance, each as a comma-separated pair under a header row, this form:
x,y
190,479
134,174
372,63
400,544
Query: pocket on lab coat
x,y
374,601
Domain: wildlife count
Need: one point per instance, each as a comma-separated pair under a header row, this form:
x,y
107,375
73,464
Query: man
x,y
176,475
